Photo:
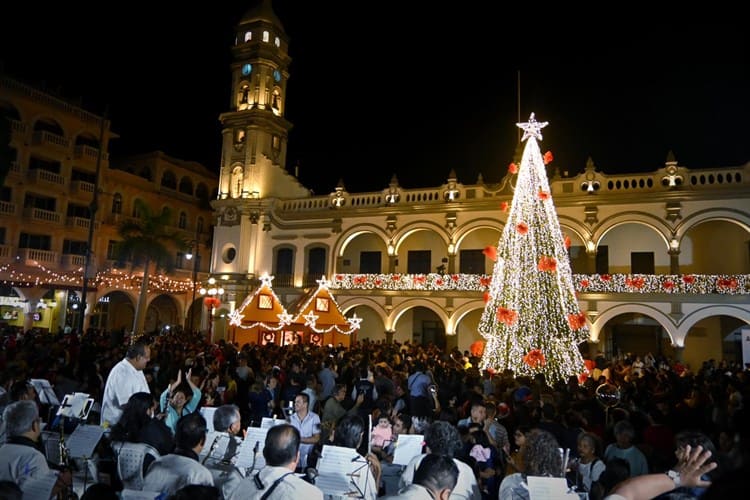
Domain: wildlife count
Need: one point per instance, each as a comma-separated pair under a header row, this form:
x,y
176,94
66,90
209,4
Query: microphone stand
x,y
211,450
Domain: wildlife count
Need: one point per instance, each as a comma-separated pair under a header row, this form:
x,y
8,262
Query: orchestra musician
x,y
226,476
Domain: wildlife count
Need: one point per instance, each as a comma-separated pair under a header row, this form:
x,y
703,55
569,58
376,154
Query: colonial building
x,y
661,259
59,169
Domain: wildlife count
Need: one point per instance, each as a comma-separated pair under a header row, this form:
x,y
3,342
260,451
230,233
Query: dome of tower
x,y
263,11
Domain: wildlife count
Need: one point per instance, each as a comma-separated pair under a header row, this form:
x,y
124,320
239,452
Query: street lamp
x,y
189,256
211,301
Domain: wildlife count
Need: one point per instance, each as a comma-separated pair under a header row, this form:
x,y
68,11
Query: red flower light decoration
x,y
577,321
396,277
491,253
419,280
522,228
567,242
360,280
507,316
486,297
535,358
513,168
211,302
485,282
439,282
339,277
636,282
668,285
689,279
378,282
548,157
504,206
543,195
477,348
585,283
606,277
548,264
455,277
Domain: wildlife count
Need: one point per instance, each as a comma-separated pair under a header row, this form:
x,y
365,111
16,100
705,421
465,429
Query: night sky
x,y
381,88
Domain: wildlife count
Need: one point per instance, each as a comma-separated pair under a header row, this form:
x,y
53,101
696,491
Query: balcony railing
x,y
33,256
7,208
80,223
82,187
41,175
72,262
44,138
83,152
42,215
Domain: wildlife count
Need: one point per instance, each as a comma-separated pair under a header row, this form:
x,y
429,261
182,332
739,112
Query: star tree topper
x,y
532,128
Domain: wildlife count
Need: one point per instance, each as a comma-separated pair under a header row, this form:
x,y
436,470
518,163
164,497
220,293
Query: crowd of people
x,y
484,433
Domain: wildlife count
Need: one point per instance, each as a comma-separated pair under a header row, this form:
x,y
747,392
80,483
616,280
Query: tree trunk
x,y
140,307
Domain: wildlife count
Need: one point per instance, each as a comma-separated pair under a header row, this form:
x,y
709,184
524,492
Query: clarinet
x,y
64,462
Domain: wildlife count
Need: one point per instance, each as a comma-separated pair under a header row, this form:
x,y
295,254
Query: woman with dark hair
x,y
348,433
140,424
541,457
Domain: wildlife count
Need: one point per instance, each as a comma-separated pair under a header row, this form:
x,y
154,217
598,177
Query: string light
x,y
532,306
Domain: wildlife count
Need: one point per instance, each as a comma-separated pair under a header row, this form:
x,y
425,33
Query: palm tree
x,y
147,241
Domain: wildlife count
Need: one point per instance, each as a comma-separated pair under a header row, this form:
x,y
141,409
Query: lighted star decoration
x,y
310,319
354,321
323,283
266,280
532,128
285,318
235,318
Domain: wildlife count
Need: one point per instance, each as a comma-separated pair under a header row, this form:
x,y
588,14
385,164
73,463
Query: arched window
x,y
248,36
117,204
236,185
266,36
182,222
168,180
277,41
186,185
136,209
276,101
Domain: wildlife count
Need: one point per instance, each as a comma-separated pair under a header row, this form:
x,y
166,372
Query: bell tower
x,y
253,152
254,130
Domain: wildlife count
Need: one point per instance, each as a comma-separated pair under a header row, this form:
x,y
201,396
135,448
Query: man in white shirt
x,y
308,425
125,379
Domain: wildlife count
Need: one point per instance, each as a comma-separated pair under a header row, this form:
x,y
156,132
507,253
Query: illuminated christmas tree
x,y
531,322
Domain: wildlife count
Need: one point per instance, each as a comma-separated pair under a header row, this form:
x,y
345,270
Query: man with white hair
x,y
20,459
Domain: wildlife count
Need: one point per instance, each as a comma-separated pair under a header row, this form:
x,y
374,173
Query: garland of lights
x,y
688,284
695,284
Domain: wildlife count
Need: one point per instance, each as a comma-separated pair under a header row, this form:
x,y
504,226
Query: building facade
x,y
59,169
661,259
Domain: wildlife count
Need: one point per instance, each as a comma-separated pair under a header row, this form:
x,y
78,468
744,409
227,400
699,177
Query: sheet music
x,y
335,469
406,447
83,441
549,488
46,393
208,414
139,495
39,487
269,422
245,458
76,405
